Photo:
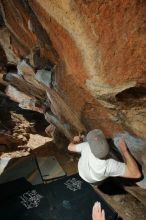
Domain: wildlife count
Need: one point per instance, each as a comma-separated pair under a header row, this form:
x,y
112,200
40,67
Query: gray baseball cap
x,y
98,143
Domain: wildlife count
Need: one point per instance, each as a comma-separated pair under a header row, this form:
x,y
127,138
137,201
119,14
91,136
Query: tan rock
x,y
5,41
99,48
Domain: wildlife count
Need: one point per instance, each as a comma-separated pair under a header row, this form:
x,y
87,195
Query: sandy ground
x,y
125,204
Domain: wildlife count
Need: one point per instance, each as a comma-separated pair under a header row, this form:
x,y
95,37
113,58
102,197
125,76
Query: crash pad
x,y
49,168
69,198
20,167
12,188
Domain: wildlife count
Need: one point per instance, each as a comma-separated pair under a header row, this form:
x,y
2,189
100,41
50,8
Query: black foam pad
x,y
69,198
12,188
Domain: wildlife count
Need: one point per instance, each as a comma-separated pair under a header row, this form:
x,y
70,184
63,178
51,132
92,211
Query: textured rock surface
x,y
137,148
14,128
102,50
96,51
16,124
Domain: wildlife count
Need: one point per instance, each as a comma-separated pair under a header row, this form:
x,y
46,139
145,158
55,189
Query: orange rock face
x,y
99,49
119,27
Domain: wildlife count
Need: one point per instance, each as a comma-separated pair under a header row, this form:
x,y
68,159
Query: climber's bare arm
x,y
131,169
72,147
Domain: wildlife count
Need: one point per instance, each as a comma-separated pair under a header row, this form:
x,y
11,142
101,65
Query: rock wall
x,y
96,50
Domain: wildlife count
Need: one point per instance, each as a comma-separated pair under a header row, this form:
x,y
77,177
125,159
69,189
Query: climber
x,y
95,165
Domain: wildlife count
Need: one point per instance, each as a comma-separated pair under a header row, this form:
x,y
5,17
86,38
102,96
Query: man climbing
x,y
94,164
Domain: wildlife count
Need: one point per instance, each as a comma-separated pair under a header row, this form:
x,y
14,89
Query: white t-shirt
x,y
92,169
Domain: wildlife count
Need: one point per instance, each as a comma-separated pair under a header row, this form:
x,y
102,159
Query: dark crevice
x,y
3,58
2,88
11,68
2,23
131,93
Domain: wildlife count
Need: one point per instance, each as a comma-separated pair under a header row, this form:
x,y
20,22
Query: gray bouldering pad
x,y
20,167
50,168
